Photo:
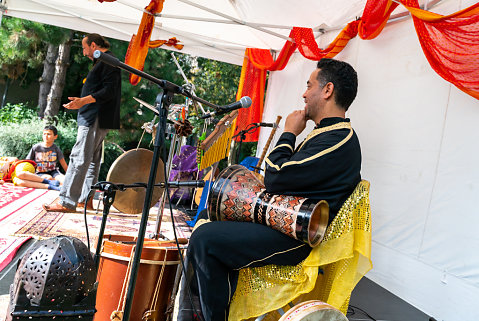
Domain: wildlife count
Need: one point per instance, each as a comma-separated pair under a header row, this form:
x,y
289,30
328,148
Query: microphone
x,y
244,102
106,58
266,125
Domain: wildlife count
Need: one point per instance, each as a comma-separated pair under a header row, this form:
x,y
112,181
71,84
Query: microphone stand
x,y
163,101
242,135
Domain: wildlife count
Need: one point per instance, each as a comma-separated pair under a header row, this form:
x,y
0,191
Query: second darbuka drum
x,y
238,195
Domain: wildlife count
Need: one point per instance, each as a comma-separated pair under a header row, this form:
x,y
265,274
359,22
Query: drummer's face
x,y
88,49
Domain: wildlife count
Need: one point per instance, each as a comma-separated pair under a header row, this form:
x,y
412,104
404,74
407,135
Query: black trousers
x,y
218,250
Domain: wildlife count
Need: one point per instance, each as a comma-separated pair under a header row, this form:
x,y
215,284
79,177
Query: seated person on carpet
x,y
22,173
47,155
325,166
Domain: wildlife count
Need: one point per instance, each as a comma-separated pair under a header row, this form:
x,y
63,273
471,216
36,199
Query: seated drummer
x,y
22,173
325,166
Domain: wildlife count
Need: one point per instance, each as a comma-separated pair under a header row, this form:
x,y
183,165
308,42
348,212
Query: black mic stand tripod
x,y
242,135
109,191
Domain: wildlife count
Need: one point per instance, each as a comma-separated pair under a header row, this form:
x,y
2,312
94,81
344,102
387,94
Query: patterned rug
x,y
49,224
18,206
10,193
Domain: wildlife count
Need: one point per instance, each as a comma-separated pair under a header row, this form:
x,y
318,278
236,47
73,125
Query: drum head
x,y
131,167
313,310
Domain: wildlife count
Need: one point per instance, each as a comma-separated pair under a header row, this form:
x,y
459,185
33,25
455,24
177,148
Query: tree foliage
x,y
24,46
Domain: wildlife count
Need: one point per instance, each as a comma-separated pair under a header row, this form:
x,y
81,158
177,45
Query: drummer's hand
x,y
77,103
295,122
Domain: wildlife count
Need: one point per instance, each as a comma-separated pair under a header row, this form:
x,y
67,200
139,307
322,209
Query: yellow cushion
x,y
344,255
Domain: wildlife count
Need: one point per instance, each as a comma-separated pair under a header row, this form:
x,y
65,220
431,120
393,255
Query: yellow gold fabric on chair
x,y
344,256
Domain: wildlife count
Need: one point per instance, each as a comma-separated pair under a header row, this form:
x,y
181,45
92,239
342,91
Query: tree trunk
x,y
46,78
4,97
58,83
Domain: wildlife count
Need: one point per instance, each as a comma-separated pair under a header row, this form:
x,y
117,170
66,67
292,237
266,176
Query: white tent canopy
x,y
417,131
216,29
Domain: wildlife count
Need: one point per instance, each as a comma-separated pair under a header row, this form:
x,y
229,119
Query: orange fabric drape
x,y
139,43
172,42
252,83
450,44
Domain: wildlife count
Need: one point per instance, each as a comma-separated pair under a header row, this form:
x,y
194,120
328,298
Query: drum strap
x,y
158,284
118,314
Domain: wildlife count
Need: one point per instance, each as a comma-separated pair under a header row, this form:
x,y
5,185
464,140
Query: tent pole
x,y
252,24
84,18
238,21
172,16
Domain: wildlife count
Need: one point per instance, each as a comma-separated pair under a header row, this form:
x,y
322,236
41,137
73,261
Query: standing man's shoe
x,y
89,205
57,207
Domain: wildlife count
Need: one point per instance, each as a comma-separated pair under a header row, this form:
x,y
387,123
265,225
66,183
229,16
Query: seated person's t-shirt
x,y
46,157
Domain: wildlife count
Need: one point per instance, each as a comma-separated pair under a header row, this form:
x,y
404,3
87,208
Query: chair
x,y
329,273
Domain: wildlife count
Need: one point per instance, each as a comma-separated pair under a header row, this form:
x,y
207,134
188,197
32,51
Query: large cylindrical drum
x,y
238,195
313,310
154,283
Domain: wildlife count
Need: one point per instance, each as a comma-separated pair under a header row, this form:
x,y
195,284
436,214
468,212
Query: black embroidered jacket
x,y
325,166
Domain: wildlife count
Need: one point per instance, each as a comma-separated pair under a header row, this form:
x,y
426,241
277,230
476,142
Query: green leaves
x,y
23,46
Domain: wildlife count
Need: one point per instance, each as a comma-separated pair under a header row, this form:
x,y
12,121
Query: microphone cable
x,y
183,267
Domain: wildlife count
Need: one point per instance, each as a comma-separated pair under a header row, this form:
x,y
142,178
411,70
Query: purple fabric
x,y
184,168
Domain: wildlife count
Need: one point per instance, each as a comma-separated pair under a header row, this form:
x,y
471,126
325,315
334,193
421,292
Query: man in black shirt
x,y
98,111
325,166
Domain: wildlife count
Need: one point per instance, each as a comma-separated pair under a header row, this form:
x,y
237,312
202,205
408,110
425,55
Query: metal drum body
x,y
238,195
131,167
156,278
313,310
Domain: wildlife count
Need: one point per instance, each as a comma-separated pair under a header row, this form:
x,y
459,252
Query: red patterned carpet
x,y
22,217
18,205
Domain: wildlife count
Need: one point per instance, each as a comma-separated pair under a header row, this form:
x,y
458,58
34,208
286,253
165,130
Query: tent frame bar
x,y
238,21
263,25
82,17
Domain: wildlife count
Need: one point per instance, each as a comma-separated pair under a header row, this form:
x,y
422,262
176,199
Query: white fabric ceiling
x,y
220,38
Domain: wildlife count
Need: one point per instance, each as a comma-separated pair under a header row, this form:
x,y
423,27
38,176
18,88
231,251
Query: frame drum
x,y
313,310
131,167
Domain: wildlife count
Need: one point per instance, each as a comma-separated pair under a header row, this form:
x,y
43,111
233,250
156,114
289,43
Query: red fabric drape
x,y
308,47
450,44
374,19
258,61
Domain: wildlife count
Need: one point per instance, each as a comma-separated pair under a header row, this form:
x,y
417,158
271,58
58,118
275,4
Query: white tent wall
x,y
418,136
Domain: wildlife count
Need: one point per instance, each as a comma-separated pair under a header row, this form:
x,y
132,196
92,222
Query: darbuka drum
x,y
154,284
130,167
238,195
313,310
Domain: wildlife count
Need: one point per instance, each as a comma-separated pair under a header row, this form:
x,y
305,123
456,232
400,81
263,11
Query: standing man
x,y
98,111
325,166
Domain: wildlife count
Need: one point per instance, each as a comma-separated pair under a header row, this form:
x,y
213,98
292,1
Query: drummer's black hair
x,y
98,39
344,78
